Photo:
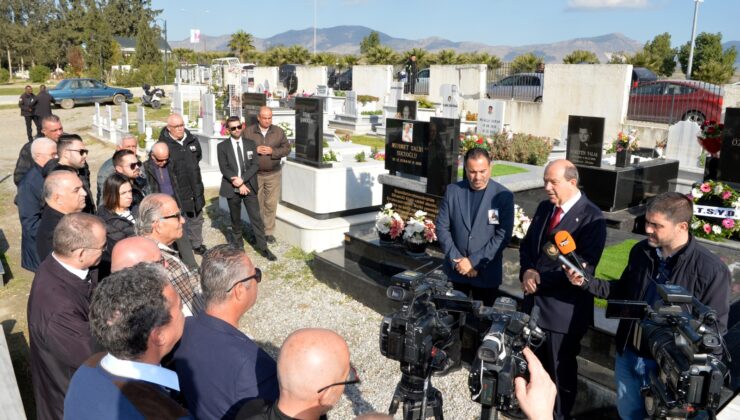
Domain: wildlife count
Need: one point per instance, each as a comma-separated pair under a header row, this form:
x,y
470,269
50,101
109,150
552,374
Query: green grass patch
x,y
372,141
150,113
498,169
296,253
18,89
612,263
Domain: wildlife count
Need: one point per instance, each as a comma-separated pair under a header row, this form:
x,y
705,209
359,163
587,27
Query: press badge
x,y
493,216
192,148
249,154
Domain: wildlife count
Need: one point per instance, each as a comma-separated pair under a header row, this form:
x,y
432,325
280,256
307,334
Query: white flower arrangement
x,y
419,229
521,222
388,221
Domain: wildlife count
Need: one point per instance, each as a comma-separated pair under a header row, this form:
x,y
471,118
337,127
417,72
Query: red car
x,y
670,101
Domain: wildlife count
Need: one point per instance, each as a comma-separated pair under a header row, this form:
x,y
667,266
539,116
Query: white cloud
x,y
607,4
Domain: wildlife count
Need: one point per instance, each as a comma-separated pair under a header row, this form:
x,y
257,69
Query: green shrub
x,y
150,74
366,98
4,75
425,103
522,148
378,112
40,74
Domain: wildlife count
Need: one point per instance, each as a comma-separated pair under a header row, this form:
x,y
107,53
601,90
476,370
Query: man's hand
x,y
530,280
575,278
463,265
236,181
536,398
264,150
472,273
243,190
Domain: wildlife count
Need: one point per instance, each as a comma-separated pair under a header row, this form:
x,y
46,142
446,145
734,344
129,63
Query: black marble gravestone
x,y
406,146
444,146
585,140
406,109
309,137
729,162
251,104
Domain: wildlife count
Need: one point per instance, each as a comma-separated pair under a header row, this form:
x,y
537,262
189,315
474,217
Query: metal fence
x,y
505,83
670,101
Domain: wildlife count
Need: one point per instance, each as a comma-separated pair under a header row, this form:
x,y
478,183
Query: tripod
x,y
417,394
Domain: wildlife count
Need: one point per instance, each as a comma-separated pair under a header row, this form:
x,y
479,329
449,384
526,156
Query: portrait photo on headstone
x,y
585,140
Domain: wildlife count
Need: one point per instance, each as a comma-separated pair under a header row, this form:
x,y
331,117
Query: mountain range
x,y
346,40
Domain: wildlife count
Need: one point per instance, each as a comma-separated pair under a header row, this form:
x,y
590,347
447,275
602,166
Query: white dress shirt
x,y
155,374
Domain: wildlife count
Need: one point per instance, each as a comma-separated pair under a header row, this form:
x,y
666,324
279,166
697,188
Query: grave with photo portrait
x,y
309,121
251,104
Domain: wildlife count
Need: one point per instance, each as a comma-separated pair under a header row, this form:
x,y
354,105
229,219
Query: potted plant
x,y
710,139
418,233
389,224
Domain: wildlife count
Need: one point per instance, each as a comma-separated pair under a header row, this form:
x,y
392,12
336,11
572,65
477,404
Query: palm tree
x,y
381,55
421,57
297,54
241,43
526,63
581,56
447,57
348,60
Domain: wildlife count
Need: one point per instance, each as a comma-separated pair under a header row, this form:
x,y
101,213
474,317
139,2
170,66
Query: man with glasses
x,y
58,307
272,146
63,193
73,157
313,369
126,163
669,255
185,154
160,220
237,160
220,368
30,203
127,142
51,128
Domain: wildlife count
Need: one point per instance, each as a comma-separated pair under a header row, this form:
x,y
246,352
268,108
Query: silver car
x,y
522,86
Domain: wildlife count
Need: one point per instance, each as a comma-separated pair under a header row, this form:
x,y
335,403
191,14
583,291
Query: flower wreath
x,y
714,201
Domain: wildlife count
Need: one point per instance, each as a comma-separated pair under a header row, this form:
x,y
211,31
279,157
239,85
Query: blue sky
x,y
494,22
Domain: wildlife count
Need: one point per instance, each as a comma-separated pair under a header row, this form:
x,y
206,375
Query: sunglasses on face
x,y
352,378
234,128
82,152
171,216
257,277
160,160
134,165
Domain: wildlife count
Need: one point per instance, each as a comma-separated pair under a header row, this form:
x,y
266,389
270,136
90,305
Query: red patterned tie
x,y
555,219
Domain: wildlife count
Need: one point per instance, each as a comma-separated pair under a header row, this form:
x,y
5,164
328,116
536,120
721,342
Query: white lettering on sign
x,y
723,212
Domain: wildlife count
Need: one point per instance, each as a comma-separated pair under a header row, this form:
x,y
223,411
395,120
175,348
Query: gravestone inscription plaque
x,y
309,116
585,140
406,146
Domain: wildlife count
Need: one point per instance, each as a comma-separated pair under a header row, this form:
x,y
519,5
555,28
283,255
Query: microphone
x,y
551,251
567,246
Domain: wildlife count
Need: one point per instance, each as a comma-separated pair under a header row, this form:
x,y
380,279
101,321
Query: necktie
x,y
241,159
555,219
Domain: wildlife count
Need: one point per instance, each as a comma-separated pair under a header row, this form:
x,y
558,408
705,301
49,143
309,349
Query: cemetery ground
x,y
290,297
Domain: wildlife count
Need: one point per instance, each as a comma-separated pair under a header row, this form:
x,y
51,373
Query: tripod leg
x,y
438,414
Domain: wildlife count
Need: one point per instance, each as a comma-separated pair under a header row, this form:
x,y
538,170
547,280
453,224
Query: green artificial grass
x,y
499,169
372,141
612,263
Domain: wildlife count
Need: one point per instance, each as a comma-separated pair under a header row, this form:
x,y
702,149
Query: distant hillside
x,y
346,40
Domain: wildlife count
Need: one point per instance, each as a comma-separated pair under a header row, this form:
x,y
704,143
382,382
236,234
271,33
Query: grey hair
x,y
150,211
221,266
74,231
570,172
53,183
127,136
39,144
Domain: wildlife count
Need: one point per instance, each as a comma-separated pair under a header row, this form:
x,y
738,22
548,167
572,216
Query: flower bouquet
x,y
521,223
623,146
388,223
711,200
470,140
419,232
710,137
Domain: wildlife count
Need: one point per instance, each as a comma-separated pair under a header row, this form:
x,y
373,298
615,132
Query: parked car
x,y
422,82
341,81
670,101
71,92
522,86
641,75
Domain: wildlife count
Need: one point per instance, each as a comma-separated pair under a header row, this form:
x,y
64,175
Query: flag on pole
x,y
195,36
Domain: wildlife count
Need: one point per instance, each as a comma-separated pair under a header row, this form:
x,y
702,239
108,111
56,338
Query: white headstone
x,y
96,117
491,116
209,113
177,106
350,104
682,144
396,93
148,132
140,118
109,117
322,90
449,95
124,117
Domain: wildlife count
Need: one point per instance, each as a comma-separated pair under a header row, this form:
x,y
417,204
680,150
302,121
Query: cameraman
x,y
671,255
536,398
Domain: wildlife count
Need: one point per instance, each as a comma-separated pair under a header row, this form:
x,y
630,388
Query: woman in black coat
x,y
117,215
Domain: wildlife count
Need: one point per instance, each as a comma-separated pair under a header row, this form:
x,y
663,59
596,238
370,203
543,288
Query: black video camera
x,y
686,345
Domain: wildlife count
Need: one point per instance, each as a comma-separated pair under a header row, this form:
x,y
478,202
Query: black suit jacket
x,y
229,168
564,308
45,235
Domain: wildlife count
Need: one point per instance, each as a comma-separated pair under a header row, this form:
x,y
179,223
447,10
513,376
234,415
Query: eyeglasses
x,y
237,127
82,152
134,165
160,160
352,378
257,277
171,216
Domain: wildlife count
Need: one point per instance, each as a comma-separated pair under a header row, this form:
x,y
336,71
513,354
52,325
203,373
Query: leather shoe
x,y
200,250
270,239
267,254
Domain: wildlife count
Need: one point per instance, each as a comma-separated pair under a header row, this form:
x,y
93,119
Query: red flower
x,y
479,141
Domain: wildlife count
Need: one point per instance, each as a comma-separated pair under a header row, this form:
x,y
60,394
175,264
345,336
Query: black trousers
x,y
486,294
251,203
558,356
29,126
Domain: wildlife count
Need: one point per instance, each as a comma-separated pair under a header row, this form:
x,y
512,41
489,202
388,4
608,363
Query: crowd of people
x,y
125,323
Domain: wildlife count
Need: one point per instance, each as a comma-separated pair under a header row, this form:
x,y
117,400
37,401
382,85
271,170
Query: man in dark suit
x,y
237,160
219,367
474,224
63,194
58,323
566,310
